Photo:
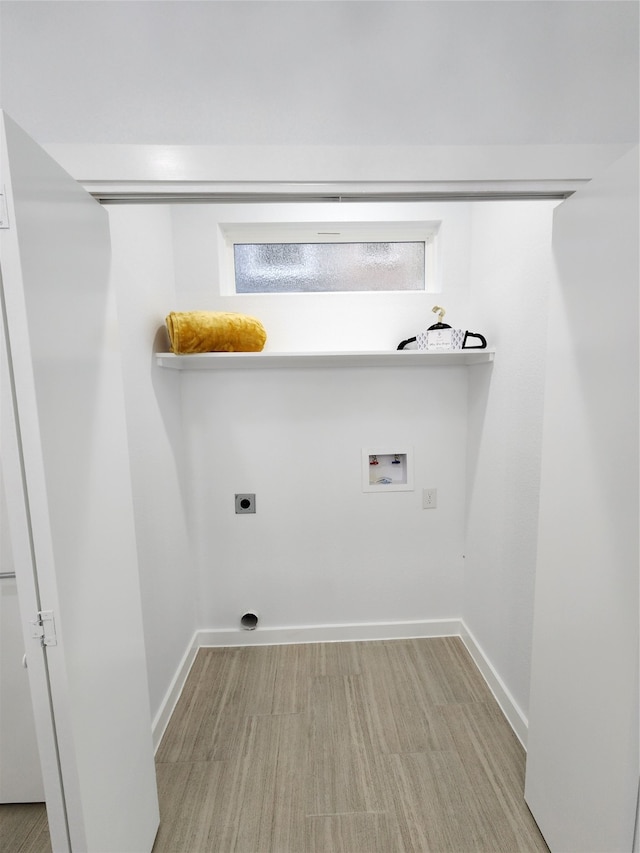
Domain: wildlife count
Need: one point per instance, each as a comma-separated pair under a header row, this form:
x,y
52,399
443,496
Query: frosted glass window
x,y
329,267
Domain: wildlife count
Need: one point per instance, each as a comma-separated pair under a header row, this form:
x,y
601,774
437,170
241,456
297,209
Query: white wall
x,y
583,789
511,268
142,273
319,321
319,550
317,73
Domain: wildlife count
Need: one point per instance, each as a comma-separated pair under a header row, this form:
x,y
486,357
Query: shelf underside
x,y
261,360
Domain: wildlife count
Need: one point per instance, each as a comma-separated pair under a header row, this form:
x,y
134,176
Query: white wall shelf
x,y
393,358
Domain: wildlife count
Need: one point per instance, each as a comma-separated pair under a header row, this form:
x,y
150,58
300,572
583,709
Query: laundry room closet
x,y
321,558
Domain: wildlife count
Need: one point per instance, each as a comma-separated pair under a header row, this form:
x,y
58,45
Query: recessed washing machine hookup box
x,y
385,470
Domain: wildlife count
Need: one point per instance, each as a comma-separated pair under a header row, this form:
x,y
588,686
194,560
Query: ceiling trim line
x,y
169,192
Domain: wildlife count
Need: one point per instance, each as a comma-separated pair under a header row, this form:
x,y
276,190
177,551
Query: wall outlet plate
x,y
429,498
245,504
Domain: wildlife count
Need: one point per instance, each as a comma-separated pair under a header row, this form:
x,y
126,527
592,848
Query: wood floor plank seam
x,y
342,814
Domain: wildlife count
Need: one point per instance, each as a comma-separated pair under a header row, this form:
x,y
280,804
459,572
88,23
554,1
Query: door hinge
x,y
43,628
4,213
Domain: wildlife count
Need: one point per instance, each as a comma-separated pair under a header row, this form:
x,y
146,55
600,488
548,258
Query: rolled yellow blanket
x,y
214,331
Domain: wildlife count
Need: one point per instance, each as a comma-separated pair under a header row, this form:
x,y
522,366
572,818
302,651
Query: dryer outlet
x,y
245,504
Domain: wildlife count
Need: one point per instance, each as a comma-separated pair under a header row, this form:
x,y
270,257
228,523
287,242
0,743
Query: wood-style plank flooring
x,y
24,828
378,747
371,747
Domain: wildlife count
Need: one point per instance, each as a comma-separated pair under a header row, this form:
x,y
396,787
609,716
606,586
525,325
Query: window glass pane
x,y
332,267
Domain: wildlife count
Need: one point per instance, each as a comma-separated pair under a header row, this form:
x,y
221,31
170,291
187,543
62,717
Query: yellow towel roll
x,y
214,331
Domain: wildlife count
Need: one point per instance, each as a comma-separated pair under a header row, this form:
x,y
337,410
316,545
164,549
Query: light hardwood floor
x,y
24,828
379,747
371,747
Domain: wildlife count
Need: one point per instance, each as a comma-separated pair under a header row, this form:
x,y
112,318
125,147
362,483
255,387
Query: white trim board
x,y
510,708
330,633
168,704
103,164
220,638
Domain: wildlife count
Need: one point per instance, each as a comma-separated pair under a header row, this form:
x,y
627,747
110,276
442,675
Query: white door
x,y
20,774
66,467
582,762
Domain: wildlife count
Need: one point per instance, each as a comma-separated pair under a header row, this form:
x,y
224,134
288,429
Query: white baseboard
x,y
329,633
341,634
505,700
161,719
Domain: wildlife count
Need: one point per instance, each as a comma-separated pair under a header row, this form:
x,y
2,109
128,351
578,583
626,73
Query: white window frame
x,y
230,233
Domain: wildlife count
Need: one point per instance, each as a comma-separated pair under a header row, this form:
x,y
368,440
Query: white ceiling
x,y
362,72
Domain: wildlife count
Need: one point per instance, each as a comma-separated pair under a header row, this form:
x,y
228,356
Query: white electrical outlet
x,y
429,498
